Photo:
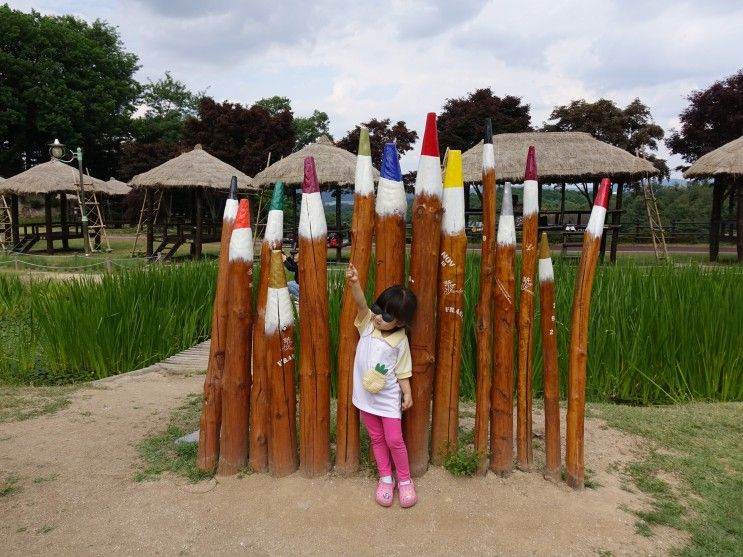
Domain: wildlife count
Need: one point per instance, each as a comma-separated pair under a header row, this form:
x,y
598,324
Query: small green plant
x,y
9,485
462,461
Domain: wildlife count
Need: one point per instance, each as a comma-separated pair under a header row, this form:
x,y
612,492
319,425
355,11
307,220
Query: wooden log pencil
x,y
484,310
362,230
453,251
423,281
233,439
211,411
578,348
314,344
259,411
504,319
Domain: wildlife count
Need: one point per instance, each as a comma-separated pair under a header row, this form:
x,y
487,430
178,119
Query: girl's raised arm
x,y
358,295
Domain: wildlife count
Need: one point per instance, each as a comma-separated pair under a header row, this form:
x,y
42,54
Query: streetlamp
x,y
58,151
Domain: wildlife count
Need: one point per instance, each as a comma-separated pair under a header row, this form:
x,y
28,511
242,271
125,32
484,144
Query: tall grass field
x,y
659,334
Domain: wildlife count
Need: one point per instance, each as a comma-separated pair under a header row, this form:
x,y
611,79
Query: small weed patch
x,y
462,460
160,452
9,485
22,403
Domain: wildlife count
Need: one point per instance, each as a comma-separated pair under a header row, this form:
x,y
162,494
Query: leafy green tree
x,y
631,128
381,132
310,128
713,118
155,137
240,136
461,123
275,105
61,77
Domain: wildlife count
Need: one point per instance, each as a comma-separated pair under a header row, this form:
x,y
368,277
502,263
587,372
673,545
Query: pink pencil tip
x,y
531,164
602,197
310,183
430,137
243,215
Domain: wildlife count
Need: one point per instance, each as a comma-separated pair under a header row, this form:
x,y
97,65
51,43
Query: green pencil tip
x,y
364,146
277,201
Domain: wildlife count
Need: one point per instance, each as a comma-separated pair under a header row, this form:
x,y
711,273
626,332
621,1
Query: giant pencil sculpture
x,y
450,313
578,349
279,355
526,312
233,450
391,207
314,362
424,268
362,230
211,412
259,391
485,300
504,319
549,362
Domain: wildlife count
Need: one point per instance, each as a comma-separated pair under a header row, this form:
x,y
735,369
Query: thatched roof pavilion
x,y
194,169
205,178
335,167
725,165
48,179
561,157
114,187
727,159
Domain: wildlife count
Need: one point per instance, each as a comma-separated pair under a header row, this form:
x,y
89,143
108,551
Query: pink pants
x,y
386,437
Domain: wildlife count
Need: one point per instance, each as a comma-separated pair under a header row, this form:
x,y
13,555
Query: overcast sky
x,y
401,59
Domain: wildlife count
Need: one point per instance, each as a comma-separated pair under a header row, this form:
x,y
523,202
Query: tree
x,y
275,105
631,128
155,137
713,118
310,128
380,133
461,123
61,77
240,136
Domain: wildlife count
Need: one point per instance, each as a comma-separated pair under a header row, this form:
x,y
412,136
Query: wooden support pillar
x,y
150,220
562,204
718,191
15,228
616,220
63,220
199,223
48,198
338,232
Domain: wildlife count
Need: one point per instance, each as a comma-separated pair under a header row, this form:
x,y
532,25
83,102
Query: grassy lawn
x,y
694,473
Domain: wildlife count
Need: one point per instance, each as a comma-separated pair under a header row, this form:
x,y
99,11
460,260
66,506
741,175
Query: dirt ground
x,y
76,496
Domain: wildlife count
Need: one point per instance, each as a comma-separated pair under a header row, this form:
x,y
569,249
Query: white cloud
x,y
399,59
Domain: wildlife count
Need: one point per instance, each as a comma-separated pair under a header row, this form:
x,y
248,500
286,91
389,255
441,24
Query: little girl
x,y
381,372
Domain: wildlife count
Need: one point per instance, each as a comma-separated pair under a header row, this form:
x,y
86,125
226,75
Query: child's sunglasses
x,y
386,317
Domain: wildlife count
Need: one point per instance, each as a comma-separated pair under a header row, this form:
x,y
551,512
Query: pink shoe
x,y
385,493
407,495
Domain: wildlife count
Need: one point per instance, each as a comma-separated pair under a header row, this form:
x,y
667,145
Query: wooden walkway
x,y
192,360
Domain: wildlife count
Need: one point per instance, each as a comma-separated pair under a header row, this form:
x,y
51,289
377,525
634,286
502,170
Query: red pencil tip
x,y
310,184
243,215
602,197
531,164
430,137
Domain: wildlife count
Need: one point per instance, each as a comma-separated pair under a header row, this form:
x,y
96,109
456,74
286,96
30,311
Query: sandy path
x,y
77,497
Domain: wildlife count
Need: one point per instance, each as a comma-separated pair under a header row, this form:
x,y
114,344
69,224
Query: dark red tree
x,y
240,136
461,121
380,132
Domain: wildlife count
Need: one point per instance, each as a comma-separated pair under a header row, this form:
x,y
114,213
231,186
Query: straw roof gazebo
x,y
725,165
561,157
202,175
48,179
335,167
113,187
